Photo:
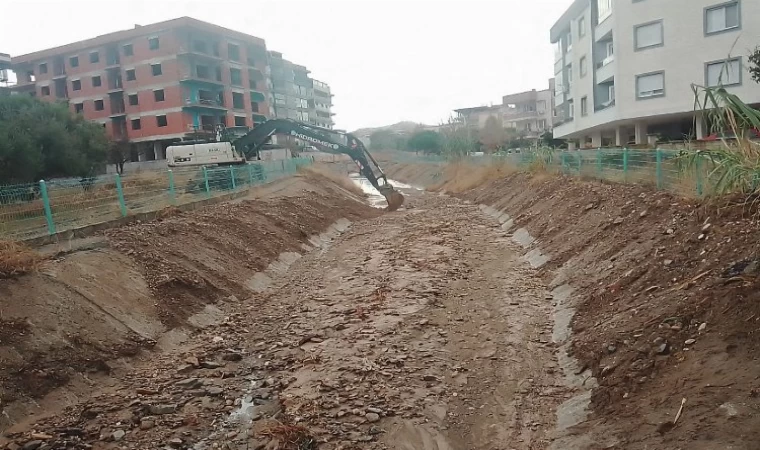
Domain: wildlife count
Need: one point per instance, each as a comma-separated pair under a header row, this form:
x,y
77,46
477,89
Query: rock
x,y
13,446
701,236
256,444
163,409
703,326
669,231
706,227
147,424
643,214
217,339
189,383
176,442
214,391
658,340
589,206
118,435
729,410
32,445
429,378
187,368
232,356
607,370
663,348
211,365
611,349
192,360
372,417
618,220
41,437
667,262
690,341
375,410
146,391
424,322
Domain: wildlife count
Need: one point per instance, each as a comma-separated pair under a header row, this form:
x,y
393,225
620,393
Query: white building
x,y
624,68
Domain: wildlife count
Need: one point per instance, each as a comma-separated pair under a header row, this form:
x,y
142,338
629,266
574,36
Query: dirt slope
x,y
69,323
668,304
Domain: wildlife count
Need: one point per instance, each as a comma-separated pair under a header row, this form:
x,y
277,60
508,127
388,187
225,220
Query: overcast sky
x,y
385,60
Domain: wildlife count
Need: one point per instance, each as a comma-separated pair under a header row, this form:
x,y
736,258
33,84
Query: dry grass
x,y
324,171
460,177
17,259
289,437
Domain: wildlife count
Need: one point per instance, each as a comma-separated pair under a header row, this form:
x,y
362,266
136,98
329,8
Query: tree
x,y
426,141
40,140
547,140
456,139
754,65
493,136
119,153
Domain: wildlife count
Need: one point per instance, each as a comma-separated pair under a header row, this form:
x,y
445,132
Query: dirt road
x,y
420,329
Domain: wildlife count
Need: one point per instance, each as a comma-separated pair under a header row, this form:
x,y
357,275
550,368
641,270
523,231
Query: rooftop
x,y
561,25
138,30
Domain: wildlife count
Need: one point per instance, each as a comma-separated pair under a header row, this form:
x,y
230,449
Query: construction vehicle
x,y
235,148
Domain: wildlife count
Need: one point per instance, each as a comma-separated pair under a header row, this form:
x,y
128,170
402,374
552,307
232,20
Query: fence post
x,y
659,169
625,164
120,195
172,192
283,166
698,168
232,177
205,181
250,174
599,162
580,161
564,162
48,210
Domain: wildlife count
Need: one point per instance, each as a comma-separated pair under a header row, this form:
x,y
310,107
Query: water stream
x,y
373,197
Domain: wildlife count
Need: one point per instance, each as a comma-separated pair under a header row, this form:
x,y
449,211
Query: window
x,y
74,61
99,106
161,121
584,106
131,75
136,125
76,85
648,35
238,100
45,90
94,57
158,95
96,82
236,77
603,9
43,68
582,27
78,108
202,71
584,66
153,43
239,121
156,69
127,50
569,41
252,83
571,109
254,107
133,100
650,85
723,17
724,73
233,51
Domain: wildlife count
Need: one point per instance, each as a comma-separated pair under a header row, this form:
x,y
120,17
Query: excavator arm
x,y
329,141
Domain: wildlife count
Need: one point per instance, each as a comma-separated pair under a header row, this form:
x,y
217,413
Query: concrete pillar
x,y
157,150
641,133
141,149
619,137
571,146
701,128
596,139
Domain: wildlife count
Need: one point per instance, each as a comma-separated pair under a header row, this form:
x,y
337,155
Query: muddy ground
x,y
302,318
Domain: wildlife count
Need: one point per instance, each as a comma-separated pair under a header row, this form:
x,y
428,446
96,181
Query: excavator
x,y
246,147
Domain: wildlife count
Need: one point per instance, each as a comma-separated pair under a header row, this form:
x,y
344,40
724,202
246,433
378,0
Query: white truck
x,y
203,154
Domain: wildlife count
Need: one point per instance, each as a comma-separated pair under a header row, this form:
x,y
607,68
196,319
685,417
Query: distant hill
x,y
404,127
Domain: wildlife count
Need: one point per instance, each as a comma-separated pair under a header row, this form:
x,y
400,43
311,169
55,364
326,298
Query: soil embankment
x,y
109,296
667,299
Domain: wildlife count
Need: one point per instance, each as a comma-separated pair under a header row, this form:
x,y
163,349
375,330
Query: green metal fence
x,y
36,209
662,169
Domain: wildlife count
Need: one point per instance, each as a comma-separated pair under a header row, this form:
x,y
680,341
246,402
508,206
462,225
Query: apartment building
x,y
530,112
624,69
320,105
291,87
156,84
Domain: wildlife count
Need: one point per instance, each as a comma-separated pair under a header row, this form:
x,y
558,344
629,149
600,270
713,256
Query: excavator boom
x,y
329,141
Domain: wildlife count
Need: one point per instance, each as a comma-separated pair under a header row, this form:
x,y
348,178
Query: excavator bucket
x,y
394,198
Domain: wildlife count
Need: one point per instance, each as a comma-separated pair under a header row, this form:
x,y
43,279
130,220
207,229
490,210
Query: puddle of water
x,y
375,199
244,414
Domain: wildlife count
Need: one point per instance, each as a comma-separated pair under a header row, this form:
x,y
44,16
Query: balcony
x,y
605,70
603,31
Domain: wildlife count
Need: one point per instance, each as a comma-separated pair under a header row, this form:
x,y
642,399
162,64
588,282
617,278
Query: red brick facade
x,y
157,83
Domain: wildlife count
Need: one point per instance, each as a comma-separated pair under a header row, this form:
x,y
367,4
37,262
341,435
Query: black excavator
x,y
329,141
